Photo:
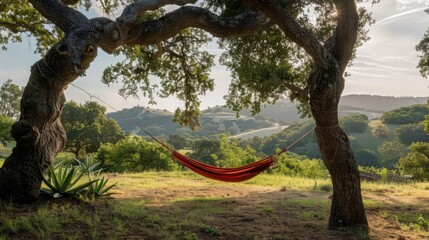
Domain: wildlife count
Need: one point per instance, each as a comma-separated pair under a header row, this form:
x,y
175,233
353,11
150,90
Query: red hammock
x,y
237,174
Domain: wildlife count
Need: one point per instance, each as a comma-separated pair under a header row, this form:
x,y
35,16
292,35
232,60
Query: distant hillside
x,y
380,103
372,106
283,110
219,119
159,122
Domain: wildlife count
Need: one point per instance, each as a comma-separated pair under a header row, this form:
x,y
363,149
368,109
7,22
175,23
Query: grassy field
x,y
182,205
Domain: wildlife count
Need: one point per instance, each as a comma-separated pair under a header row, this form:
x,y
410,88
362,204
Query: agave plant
x,y
62,180
88,165
99,188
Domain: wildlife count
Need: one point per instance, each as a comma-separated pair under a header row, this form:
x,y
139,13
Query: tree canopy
x,y
272,66
416,163
356,123
406,115
10,98
5,127
87,127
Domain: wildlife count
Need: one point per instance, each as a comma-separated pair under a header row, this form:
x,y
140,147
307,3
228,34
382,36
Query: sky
x,y
385,65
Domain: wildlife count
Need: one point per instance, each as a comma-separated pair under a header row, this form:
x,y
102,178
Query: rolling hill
x,y
219,119
159,122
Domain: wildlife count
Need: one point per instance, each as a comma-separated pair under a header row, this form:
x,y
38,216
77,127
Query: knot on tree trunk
x,y
23,132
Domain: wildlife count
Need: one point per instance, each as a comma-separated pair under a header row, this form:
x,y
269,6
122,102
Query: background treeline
x,y
398,140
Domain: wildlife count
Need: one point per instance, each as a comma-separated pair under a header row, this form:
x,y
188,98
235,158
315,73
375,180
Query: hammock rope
x,y
236,174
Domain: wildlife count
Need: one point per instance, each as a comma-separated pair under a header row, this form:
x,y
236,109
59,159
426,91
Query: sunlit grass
x,y
306,202
191,216
296,183
370,203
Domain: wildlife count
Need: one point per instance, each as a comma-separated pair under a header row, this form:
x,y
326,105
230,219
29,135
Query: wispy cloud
x,y
405,4
399,15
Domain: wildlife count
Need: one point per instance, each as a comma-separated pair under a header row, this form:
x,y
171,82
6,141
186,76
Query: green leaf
x,y
79,188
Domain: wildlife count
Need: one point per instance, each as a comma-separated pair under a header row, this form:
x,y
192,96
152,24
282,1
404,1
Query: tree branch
x,y
293,30
60,14
346,32
155,31
132,11
302,94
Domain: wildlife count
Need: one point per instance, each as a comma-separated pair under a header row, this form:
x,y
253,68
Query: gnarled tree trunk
x,y
38,133
347,206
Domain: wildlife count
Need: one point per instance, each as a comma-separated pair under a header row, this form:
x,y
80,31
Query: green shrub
x,y
356,123
135,154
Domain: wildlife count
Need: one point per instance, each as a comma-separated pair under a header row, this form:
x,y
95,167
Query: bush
x,y
356,123
380,131
292,164
409,133
135,154
416,163
391,152
366,157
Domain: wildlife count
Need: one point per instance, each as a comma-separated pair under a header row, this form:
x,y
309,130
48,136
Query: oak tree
x,y
87,127
10,98
302,48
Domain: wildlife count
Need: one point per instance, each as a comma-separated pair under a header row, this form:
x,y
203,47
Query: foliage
x,y
427,121
63,177
366,157
356,123
288,136
10,97
87,127
99,188
274,65
380,131
231,155
416,222
299,166
135,154
204,150
406,115
177,141
62,180
423,48
5,128
390,153
180,64
409,133
19,19
416,163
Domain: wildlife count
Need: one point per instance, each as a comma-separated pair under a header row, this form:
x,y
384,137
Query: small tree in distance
x,y
87,127
10,98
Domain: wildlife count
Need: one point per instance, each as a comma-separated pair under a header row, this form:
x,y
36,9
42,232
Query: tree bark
x,y
347,206
38,133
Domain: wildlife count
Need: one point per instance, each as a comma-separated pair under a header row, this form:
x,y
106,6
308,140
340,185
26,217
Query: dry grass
x,y
181,205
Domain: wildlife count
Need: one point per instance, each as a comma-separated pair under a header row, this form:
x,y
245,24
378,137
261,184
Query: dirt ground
x,y
190,209
260,212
